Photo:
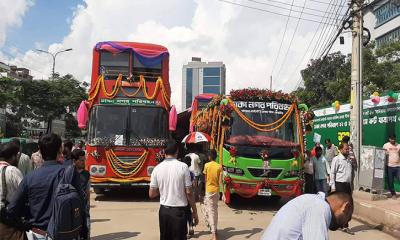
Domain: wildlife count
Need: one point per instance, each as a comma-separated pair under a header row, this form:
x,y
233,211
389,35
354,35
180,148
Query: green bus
x,y
258,135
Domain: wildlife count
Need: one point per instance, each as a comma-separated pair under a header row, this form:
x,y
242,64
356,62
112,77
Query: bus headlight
x,y
236,171
239,171
97,170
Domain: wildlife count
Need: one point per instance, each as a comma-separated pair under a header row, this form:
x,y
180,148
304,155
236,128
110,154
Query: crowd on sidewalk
x,y
45,196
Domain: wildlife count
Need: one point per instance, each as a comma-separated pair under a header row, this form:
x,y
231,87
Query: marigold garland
x,y
260,127
115,162
100,84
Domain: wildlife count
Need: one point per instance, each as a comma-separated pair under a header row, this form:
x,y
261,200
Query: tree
x,y
327,80
41,100
323,78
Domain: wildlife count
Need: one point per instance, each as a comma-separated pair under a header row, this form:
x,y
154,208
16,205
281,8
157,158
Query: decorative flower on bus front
x,y
232,152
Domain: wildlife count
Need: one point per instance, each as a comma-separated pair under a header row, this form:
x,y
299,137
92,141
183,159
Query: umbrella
x,y
196,137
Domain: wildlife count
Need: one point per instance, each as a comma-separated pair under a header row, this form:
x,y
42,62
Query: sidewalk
x,y
382,214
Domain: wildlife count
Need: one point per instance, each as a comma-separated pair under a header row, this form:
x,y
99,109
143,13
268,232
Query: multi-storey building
x,y
382,18
202,77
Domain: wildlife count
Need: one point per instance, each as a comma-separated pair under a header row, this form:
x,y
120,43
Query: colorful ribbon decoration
x,y
250,192
127,169
100,84
260,127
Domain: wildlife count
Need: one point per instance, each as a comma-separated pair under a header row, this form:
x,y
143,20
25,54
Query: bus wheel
x,y
98,190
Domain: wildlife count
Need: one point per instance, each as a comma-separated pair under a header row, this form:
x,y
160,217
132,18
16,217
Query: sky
x,y
254,38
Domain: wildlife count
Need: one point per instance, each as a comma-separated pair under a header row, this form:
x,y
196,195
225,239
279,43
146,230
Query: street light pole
x,y
54,55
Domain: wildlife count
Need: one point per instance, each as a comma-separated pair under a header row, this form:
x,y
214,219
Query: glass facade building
x,y
202,77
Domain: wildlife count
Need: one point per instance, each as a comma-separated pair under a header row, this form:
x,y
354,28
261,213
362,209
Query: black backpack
x,y
67,211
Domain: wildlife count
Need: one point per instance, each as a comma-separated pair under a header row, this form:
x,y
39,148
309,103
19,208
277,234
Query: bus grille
x,y
257,172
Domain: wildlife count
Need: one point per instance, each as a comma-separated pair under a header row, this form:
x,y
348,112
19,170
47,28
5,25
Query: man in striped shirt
x,y
309,216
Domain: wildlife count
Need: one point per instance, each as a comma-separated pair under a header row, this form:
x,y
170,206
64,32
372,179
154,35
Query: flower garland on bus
x,y
255,94
100,85
124,169
261,127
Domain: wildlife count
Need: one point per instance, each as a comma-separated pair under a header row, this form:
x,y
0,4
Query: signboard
x,y
272,107
132,102
378,123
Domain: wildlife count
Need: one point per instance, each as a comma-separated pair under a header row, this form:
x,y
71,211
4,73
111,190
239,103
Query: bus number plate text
x,y
264,192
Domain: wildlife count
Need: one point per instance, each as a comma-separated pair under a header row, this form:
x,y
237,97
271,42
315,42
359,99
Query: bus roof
x,y
146,49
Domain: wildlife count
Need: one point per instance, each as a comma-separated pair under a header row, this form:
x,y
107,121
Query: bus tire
x,y
98,190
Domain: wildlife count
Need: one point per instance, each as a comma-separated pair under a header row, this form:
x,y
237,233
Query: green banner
x,y
378,123
132,102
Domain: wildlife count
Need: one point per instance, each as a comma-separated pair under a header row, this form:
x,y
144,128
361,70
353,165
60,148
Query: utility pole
x,y
270,83
356,101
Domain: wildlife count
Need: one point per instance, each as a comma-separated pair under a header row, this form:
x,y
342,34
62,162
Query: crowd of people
x,y
333,168
35,190
44,196
179,183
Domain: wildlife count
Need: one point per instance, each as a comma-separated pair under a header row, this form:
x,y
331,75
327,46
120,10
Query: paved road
x,y
125,215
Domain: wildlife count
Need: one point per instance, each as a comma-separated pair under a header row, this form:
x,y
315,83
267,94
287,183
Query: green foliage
x,y
327,80
41,100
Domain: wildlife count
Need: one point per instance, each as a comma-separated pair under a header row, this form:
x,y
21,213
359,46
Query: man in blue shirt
x,y
309,216
321,171
38,187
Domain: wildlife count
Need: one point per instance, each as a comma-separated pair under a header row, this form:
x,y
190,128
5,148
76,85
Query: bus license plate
x,y
264,192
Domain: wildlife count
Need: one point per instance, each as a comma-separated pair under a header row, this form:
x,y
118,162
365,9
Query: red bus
x,y
128,107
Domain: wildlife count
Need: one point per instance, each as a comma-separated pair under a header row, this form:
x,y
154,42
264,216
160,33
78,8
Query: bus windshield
x,y
128,126
249,142
240,127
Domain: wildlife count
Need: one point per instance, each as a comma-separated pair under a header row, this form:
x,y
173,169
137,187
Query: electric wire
x,y
280,46
291,9
320,38
290,43
309,46
294,5
299,82
268,11
326,40
325,3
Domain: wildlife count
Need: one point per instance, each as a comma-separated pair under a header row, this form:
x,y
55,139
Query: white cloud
x,y
11,15
246,40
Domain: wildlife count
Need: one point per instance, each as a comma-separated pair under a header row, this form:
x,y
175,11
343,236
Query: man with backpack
x,y
53,194
10,177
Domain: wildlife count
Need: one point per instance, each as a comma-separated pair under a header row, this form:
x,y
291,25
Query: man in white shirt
x,y
331,151
171,181
393,163
25,164
341,171
195,169
12,176
309,216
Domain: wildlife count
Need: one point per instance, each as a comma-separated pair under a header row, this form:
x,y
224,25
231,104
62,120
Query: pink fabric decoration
x,y
82,115
173,119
